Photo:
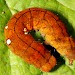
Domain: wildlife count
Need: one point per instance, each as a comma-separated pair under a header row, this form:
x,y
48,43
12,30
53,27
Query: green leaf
x,y
10,64
5,68
70,4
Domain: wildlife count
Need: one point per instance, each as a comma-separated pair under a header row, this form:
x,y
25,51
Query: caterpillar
x,y
49,25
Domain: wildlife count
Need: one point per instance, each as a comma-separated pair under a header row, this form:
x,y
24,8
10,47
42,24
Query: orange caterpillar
x,y
33,52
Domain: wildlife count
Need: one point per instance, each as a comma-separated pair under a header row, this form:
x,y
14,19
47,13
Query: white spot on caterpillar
x,y
25,30
8,42
26,33
6,27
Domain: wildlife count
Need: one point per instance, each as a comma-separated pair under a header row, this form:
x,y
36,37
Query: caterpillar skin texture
x,y
23,44
33,52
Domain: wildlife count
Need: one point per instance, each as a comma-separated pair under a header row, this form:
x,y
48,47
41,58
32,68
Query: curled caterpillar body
x,y
33,52
23,44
